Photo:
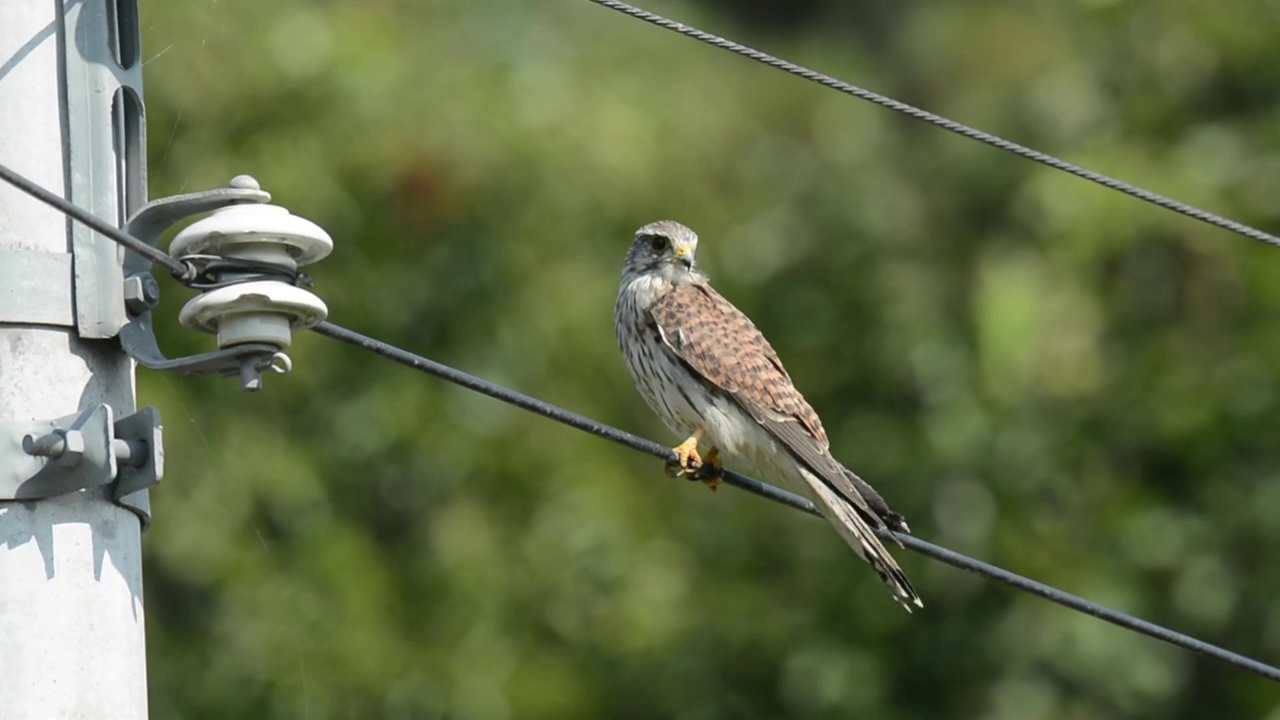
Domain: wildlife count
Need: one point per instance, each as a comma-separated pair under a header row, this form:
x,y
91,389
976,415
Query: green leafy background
x,y
1036,371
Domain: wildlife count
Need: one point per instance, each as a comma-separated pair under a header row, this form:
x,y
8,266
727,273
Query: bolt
x,y
150,290
141,293
65,447
251,369
130,452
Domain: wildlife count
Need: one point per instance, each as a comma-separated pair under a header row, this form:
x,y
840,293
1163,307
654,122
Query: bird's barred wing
x,y
721,344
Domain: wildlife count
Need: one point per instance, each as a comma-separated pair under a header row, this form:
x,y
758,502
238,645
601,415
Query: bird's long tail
x,y
856,531
894,521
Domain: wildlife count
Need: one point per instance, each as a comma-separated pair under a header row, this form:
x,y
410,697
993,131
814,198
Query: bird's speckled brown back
x,y
726,348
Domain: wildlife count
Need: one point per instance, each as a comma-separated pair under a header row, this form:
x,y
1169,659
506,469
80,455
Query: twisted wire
x,y
585,424
928,549
942,122
182,271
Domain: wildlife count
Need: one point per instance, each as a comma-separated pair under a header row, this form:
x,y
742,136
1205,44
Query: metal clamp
x,y
251,356
56,457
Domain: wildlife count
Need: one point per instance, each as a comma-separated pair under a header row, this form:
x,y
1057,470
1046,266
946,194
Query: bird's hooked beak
x,y
684,256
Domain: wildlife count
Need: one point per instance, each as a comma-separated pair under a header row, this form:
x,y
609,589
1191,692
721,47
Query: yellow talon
x,y
687,452
688,460
693,466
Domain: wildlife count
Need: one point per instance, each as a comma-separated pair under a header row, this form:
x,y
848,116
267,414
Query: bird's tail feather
x,y
892,520
858,533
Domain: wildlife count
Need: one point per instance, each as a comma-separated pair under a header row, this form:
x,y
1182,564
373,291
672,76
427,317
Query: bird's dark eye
x,y
658,242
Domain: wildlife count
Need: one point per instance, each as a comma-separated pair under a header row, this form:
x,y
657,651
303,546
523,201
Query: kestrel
x,y
709,373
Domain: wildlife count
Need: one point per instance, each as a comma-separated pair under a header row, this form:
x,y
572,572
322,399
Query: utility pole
x,y
71,610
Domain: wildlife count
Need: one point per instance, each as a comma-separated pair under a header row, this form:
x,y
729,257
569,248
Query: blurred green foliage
x,y
1036,371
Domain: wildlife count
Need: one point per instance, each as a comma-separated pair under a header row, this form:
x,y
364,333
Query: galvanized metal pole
x,y
71,614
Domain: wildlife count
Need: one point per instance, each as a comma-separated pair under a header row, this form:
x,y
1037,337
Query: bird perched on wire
x,y
709,373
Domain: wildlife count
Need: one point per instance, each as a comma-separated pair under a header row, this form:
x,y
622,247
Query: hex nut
x,y
72,449
141,293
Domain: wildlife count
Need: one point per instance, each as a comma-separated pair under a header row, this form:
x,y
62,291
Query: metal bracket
x,y
141,292
59,456
249,361
142,466
56,457
152,220
103,81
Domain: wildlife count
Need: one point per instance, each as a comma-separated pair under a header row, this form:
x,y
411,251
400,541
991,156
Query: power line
x,y
937,552
942,122
585,424
180,270
538,407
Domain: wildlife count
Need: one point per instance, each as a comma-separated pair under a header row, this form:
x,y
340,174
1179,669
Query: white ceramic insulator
x,y
266,233
254,312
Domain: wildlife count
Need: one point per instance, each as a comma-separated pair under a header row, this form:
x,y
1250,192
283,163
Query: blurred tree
x,y
1033,369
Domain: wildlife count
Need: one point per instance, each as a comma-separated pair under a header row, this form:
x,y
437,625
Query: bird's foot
x,y
711,470
687,462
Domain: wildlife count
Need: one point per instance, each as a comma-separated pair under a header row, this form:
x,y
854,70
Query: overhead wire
x,y
910,542
184,272
940,121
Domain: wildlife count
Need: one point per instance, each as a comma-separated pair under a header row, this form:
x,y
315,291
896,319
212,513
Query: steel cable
x,y
942,122
937,552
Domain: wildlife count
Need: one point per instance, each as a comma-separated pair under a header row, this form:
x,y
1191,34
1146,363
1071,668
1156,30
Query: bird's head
x,y
666,249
